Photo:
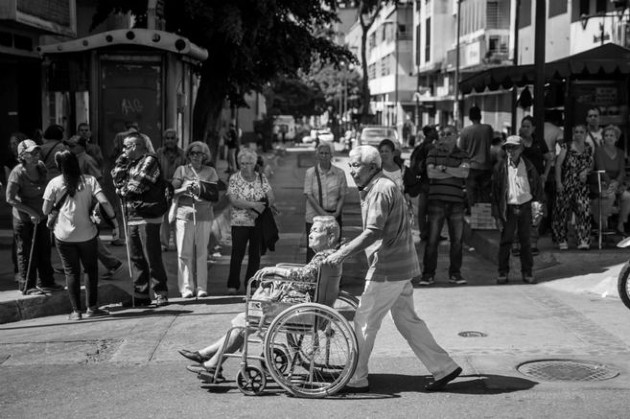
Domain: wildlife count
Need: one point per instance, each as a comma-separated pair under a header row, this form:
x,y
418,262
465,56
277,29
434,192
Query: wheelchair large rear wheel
x,y
321,348
623,286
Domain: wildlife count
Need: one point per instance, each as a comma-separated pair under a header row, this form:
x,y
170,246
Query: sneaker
x,y
187,294
516,251
456,280
535,251
502,279
75,315
96,312
583,246
426,281
34,291
119,242
201,294
161,300
563,246
111,273
232,291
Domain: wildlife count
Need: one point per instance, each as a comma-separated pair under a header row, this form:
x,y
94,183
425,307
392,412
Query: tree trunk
x,y
365,85
207,110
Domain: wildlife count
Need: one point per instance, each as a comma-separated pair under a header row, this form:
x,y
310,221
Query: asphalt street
x,y
127,365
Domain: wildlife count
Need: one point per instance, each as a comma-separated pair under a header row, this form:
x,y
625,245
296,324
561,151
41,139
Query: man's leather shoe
x,y
193,356
441,383
354,390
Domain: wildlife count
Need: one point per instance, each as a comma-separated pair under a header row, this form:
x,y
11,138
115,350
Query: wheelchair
x,y
305,342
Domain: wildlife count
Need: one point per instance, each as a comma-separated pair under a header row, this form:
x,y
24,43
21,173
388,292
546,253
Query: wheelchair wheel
x,y
279,358
321,348
252,383
623,287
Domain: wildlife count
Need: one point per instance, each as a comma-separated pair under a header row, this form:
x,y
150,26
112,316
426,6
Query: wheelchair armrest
x,y
289,265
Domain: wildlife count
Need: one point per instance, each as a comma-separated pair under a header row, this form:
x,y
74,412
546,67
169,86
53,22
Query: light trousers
x,y
396,297
189,236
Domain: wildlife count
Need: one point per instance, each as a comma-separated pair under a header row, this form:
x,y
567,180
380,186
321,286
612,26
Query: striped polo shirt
x,y
449,189
393,256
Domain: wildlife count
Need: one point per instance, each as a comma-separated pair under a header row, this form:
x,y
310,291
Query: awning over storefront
x,y
605,59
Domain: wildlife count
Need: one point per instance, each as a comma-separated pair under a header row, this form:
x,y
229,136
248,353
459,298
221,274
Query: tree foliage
x,y
294,96
250,43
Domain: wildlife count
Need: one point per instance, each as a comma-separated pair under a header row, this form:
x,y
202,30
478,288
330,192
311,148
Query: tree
x,y
250,43
294,96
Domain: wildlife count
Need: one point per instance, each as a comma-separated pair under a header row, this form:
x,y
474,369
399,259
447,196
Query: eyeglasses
x,y
128,146
196,153
511,147
446,133
170,137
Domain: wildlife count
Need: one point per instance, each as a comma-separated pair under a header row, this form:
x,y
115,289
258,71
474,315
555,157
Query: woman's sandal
x,y
207,374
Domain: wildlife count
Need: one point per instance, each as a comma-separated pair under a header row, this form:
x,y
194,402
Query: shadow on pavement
x,y
388,385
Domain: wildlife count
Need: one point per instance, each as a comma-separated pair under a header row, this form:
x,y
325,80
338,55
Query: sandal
x,y
207,373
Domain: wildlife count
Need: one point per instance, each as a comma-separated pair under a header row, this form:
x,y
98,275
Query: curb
x,y
55,303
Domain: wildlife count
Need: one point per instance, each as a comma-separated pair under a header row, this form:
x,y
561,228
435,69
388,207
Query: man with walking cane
x,y
139,183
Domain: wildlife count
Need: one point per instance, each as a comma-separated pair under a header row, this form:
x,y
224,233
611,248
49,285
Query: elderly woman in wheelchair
x,y
322,239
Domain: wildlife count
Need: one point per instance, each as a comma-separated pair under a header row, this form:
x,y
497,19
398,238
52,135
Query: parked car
x,y
373,135
318,135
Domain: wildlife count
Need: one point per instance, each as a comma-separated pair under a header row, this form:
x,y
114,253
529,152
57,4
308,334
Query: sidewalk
x,y
594,271
286,178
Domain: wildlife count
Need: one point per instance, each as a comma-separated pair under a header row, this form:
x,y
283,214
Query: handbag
x,y
54,213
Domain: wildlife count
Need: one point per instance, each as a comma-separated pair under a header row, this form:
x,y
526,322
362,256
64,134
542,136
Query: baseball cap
x,y
27,146
513,140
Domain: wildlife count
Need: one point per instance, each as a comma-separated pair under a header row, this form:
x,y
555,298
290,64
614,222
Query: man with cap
x,y
516,194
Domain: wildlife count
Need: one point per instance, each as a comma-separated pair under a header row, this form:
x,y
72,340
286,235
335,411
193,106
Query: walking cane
x,y
30,259
124,217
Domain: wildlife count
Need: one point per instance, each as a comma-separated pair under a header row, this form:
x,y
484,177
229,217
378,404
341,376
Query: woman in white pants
x,y
193,219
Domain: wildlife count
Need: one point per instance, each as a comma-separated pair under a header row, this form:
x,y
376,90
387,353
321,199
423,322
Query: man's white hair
x,y
367,155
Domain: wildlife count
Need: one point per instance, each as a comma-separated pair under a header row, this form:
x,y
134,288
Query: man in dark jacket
x,y
516,192
136,176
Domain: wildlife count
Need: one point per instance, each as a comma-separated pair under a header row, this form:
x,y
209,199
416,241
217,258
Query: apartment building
x,y
389,56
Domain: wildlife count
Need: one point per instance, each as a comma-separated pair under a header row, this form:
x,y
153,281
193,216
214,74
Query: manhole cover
x,y
567,370
472,334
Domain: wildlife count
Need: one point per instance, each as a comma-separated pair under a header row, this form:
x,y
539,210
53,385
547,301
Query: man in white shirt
x,y
515,186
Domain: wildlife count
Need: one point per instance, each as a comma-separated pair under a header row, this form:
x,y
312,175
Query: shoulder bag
x,y
54,213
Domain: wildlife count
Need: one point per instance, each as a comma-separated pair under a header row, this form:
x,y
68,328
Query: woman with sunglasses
x,y
193,219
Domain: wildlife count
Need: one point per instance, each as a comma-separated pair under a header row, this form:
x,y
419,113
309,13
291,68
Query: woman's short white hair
x,y
247,153
330,225
367,155
204,149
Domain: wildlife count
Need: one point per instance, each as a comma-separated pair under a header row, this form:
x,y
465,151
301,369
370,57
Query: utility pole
x,y
539,67
456,113
517,19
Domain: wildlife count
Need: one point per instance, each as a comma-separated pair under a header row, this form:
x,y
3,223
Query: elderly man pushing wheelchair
x,y
388,244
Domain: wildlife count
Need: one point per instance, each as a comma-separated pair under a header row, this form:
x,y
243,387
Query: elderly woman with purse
x,y
249,193
195,186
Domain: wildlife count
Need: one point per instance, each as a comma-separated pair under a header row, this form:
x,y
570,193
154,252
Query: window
x,y
372,41
492,15
418,50
427,37
372,71
525,15
557,7
385,65
585,7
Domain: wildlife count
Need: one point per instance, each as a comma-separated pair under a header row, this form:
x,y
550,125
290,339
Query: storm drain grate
x,y
472,334
567,370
